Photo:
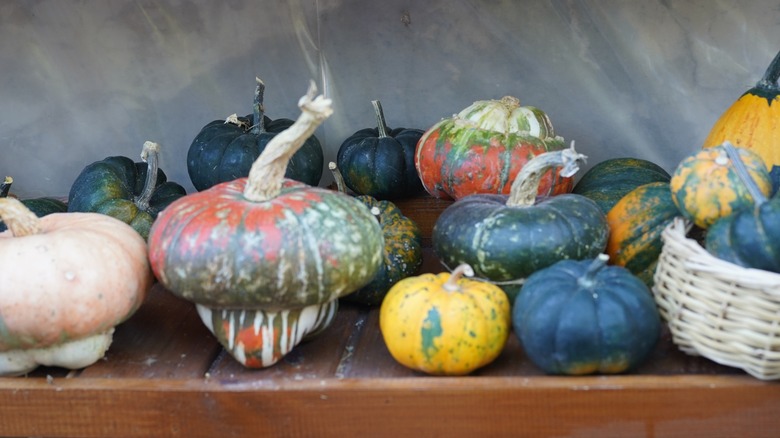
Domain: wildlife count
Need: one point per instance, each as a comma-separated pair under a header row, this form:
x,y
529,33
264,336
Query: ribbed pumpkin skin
x,y
608,325
110,187
402,255
609,180
224,151
260,338
749,238
504,243
705,186
753,121
305,246
482,149
442,332
635,226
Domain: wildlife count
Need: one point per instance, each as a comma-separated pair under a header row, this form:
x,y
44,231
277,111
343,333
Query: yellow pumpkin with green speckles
x,y
444,324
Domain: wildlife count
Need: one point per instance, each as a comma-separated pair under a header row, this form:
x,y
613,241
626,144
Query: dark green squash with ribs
x,y
39,206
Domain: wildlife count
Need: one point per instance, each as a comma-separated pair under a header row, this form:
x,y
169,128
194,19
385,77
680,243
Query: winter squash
x,y
506,238
482,149
444,324
582,317
749,237
753,121
267,243
39,206
61,309
609,180
224,150
379,162
402,255
706,187
636,222
132,192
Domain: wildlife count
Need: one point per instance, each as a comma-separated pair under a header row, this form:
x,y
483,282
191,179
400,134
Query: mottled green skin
x,y
382,167
749,238
305,246
607,324
225,151
111,187
503,243
41,207
608,181
402,256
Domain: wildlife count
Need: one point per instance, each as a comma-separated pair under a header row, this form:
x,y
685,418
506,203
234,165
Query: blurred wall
x,y
83,80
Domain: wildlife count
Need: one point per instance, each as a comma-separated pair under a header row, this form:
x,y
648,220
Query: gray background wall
x,y
83,80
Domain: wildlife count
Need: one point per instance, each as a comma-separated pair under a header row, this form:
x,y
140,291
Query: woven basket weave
x,y
716,309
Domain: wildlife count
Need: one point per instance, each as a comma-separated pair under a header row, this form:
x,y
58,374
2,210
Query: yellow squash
x,y
445,324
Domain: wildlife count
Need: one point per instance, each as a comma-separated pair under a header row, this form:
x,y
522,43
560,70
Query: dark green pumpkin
x,y
507,238
133,192
749,237
608,181
379,162
582,317
224,150
39,206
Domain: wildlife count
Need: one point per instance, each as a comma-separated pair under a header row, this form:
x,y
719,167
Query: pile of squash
x,y
266,255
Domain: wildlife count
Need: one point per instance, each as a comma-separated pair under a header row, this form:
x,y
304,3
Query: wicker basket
x,y
716,309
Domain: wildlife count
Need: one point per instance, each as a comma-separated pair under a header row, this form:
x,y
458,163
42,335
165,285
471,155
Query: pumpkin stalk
x,y
267,173
769,81
380,119
18,218
258,109
337,177
451,285
149,154
526,184
588,280
6,186
744,174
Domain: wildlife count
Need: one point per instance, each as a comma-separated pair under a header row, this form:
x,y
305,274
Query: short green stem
x,y
258,109
380,119
151,155
769,80
589,279
337,177
744,174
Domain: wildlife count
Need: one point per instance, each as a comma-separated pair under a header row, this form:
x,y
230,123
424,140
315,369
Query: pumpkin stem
x,y
596,265
769,80
338,177
18,218
744,174
526,185
258,109
377,214
451,285
267,173
149,154
380,119
6,186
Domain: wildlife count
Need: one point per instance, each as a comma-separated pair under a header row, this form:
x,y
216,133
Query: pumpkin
x,y
402,255
582,317
134,193
444,324
267,243
61,309
749,237
706,187
635,226
379,162
482,149
753,122
39,206
224,150
609,180
506,238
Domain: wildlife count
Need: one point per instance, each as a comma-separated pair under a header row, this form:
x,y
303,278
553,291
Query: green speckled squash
x,y
444,324
507,238
39,206
134,193
583,317
608,181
